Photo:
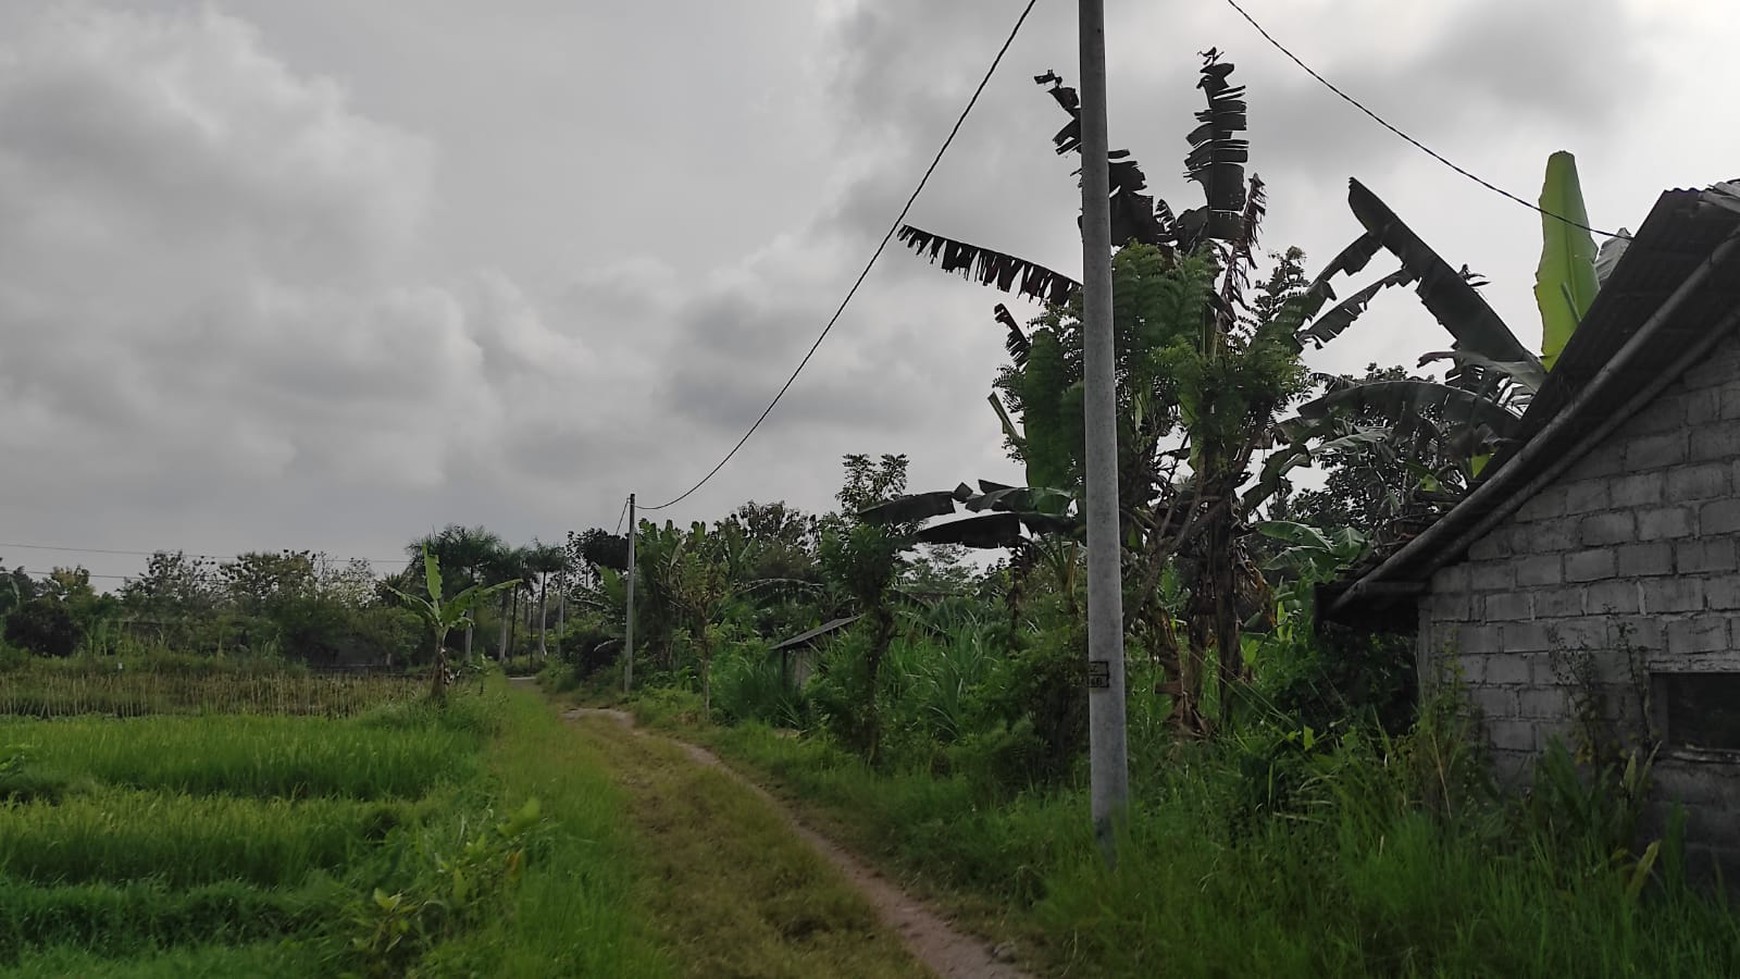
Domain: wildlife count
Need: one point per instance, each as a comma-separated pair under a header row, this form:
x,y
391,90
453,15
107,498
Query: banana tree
x,y
1202,368
442,615
1450,429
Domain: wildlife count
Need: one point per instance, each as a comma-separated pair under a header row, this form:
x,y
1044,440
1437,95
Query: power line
x,y
1350,100
619,516
868,265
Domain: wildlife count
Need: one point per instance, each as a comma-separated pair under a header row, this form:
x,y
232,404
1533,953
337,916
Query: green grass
x,y
727,882
574,910
247,844
259,961
248,755
119,919
45,690
186,840
1347,882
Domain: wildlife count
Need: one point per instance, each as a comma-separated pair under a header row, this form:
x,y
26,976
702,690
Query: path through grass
x,y
734,892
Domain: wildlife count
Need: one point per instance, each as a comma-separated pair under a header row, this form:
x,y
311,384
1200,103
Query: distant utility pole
x,y
1109,768
628,632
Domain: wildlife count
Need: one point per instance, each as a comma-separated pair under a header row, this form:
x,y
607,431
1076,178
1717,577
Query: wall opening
x,y
1698,710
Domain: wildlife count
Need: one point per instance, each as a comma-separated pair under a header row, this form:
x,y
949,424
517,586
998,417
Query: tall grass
x,y
259,961
58,693
186,840
249,756
120,919
1240,860
573,911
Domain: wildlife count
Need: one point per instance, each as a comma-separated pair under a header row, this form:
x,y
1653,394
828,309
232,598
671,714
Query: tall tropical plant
x,y
544,560
466,552
442,614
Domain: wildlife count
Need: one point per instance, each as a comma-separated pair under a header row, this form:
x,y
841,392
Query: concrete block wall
x,y
1637,543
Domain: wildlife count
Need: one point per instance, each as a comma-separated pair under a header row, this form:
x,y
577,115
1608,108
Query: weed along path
x,y
746,890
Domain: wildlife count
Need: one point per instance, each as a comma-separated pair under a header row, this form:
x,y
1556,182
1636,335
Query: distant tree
x,y
442,614
544,560
864,560
465,552
45,626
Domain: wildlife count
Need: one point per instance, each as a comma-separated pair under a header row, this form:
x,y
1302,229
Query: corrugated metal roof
x,y
816,633
1681,232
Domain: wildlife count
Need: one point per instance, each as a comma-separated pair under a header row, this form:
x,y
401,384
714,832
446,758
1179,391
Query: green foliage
x,y
44,626
456,883
1565,282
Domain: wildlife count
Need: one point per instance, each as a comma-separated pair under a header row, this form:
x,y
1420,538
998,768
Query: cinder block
x,y
1546,504
1722,592
1655,451
1660,523
1611,527
1451,606
1665,595
1719,517
1509,735
1488,548
1583,632
1730,395
1642,560
1703,554
1637,489
1621,595
1545,569
1450,578
1705,481
1591,565
1544,536
1493,701
1491,575
1525,637
1477,639
1702,634
1556,603
1508,606
1642,632
1586,496
1703,405
1715,440
1543,703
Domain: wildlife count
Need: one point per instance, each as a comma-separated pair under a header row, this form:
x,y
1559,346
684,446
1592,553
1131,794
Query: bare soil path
x,y
926,935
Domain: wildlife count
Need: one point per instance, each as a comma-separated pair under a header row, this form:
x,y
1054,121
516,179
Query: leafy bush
x,y
44,626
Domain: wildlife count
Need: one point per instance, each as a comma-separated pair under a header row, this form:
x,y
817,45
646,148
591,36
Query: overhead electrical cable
x,y
1422,147
892,228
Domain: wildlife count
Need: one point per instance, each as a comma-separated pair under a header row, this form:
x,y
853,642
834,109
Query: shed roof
x,y
804,638
1667,282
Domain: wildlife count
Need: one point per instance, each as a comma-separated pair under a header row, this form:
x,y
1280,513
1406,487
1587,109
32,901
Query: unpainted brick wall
x,y
1638,541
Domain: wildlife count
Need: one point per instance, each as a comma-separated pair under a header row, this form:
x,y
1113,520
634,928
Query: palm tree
x,y
465,552
543,560
506,563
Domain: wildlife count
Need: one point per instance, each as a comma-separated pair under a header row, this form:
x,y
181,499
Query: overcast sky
x,y
328,274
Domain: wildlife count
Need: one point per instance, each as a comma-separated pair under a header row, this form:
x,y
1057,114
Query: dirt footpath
x,y
929,937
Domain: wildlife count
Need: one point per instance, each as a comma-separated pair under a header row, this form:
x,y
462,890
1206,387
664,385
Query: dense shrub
x,y
44,626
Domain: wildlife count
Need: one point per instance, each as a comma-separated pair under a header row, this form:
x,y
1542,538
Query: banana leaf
x,y
1399,400
984,531
1445,293
904,509
1565,281
1005,272
1527,375
1331,324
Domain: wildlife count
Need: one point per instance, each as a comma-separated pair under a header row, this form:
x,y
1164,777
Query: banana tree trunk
x,y
501,646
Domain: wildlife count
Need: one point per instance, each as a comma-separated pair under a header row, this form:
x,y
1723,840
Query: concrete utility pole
x,y
628,633
1109,770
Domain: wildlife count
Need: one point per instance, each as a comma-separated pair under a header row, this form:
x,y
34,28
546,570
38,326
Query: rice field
x,y
260,825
